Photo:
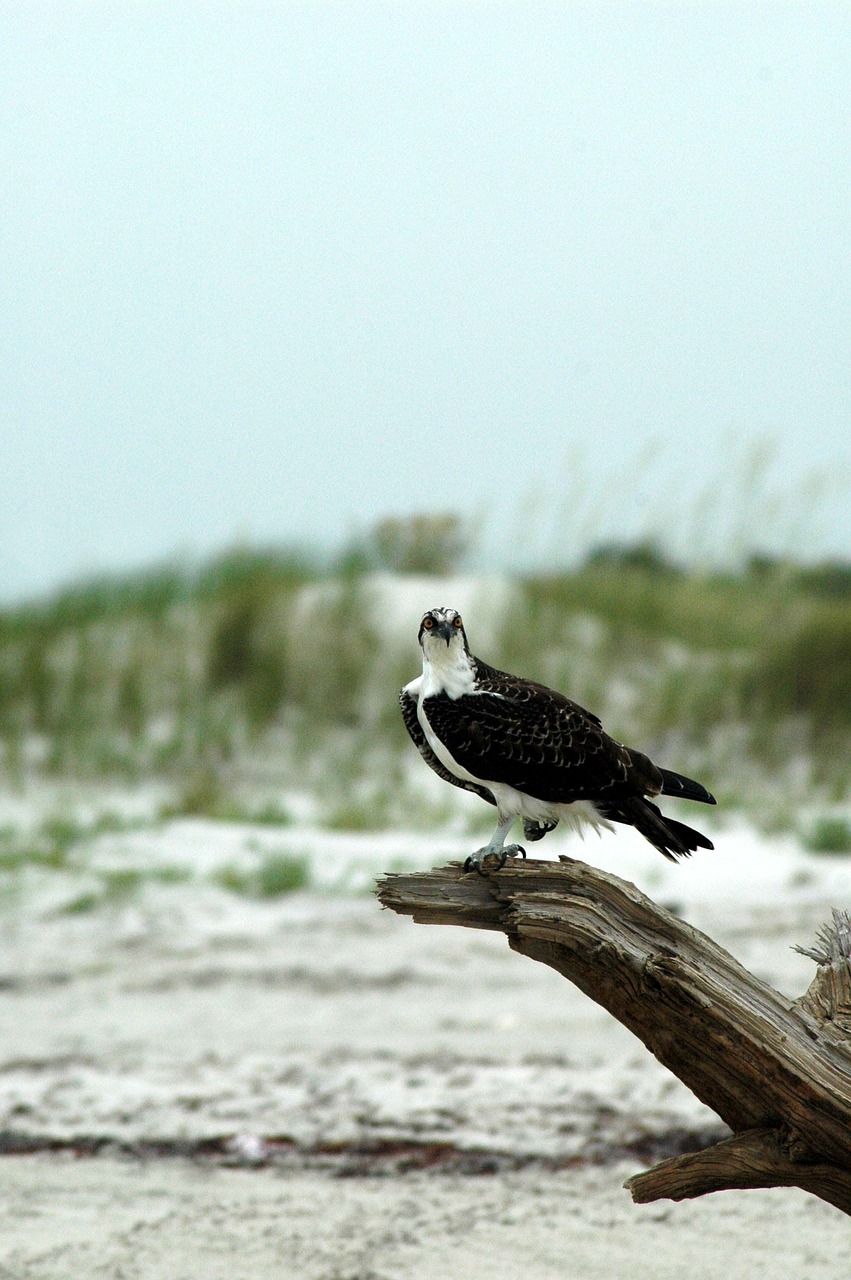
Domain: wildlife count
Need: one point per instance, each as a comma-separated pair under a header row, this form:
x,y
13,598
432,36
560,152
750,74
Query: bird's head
x,y
442,629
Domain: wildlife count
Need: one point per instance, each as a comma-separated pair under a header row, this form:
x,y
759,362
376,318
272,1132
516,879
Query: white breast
x,y
445,670
450,673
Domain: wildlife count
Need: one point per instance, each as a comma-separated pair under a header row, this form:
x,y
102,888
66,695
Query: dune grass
x,y
828,834
277,875
193,674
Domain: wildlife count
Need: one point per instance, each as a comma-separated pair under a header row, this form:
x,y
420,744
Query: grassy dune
x,y
264,660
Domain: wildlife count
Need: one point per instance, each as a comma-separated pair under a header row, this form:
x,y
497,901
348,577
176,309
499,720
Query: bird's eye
x,y
458,622
428,623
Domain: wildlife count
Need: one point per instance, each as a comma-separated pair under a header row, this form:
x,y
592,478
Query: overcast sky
x,y
269,272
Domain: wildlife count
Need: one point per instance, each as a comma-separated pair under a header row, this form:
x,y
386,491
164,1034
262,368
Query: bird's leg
x,y
496,846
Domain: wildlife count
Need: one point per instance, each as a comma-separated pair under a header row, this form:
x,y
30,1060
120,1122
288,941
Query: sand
x,y
110,1218
195,1084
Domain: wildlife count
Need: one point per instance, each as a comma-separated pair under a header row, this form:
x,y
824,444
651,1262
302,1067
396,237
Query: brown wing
x,y
537,741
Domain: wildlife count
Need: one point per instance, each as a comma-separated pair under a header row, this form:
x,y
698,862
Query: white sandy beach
x,y
312,1087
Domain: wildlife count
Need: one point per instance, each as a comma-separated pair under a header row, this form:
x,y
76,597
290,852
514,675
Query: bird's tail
x,y
672,839
675,784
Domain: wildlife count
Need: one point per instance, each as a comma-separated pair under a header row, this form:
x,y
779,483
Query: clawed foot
x,y
477,859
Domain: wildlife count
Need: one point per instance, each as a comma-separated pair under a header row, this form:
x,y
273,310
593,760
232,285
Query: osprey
x,y
531,751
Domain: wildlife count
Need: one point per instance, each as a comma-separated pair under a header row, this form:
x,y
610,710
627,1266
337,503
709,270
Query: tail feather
x,y
675,784
691,838
672,839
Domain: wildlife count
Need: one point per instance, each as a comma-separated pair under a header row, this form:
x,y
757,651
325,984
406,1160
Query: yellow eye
x,y
458,622
428,623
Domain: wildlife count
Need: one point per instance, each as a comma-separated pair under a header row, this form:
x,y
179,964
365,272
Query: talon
x,y
477,859
511,852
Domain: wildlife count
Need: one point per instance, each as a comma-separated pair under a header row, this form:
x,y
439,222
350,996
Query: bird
x,y
532,752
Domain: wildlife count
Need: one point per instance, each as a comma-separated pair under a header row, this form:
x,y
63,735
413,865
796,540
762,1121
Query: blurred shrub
x,y
832,578
805,670
829,835
424,544
203,795
246,648
645,556
277,875
245,656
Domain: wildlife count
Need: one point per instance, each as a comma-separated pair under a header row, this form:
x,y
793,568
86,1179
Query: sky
x,y
270,272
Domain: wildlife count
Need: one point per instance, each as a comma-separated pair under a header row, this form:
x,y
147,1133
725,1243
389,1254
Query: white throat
x,y
447,668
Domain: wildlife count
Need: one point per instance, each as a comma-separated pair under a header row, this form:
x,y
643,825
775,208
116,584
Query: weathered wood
x,y
754,1158
777,1071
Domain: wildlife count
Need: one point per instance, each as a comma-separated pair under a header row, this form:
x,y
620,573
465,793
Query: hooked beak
x,y
445,630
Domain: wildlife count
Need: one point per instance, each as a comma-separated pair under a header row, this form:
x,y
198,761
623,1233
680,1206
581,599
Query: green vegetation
x,y
277,874
424,544
204,794
829,835
196,675
116,888
51,844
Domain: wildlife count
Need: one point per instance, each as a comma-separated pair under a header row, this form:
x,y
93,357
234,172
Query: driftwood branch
x,y
778,1072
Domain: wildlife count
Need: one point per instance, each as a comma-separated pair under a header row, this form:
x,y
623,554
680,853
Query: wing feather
x,y
408,704
536,740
